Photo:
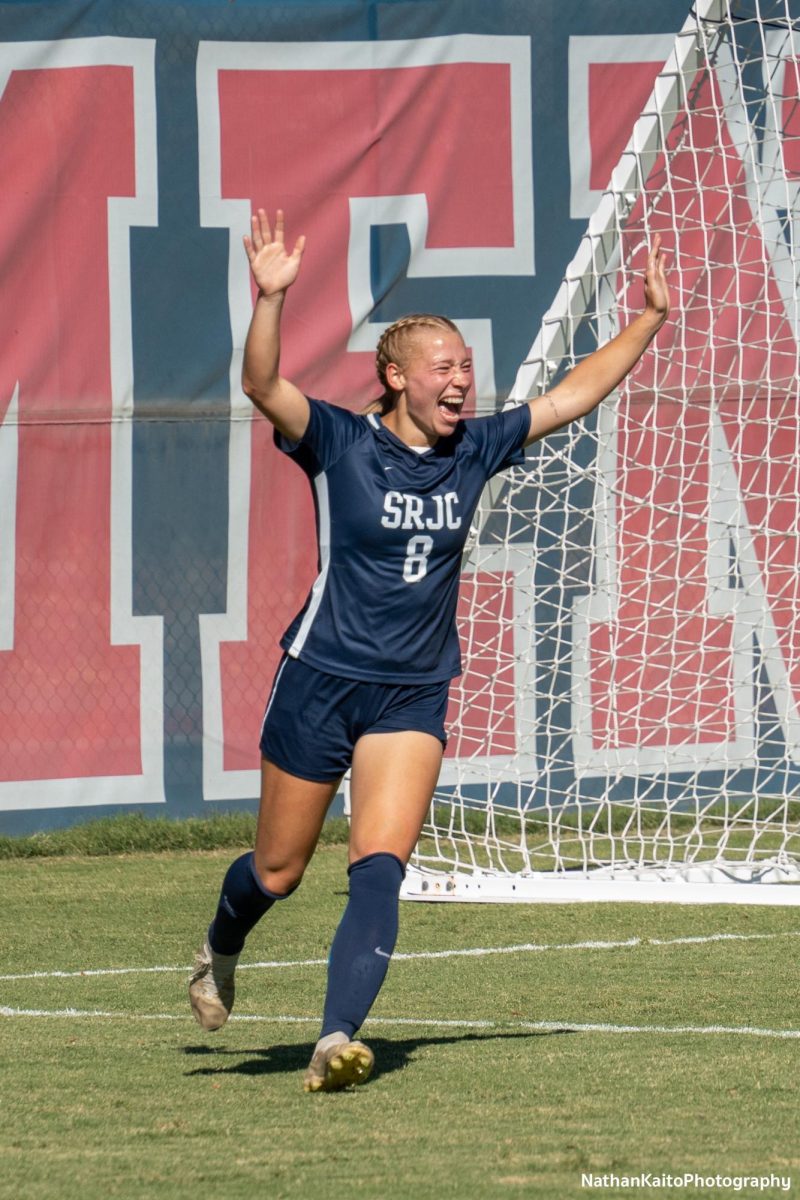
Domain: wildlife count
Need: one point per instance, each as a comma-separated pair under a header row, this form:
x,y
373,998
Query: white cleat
x,y
211,987
338,1063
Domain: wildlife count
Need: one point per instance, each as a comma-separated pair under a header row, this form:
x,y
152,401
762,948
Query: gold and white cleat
x,y
211,987
338,1063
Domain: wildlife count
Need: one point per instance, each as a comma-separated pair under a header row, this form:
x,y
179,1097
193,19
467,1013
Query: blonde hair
x,y
394,346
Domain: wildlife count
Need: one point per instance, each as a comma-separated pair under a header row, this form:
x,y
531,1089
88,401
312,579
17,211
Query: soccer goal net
x,y
628,721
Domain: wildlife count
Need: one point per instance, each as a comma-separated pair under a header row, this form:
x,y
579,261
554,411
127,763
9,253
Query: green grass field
x,y
481,1090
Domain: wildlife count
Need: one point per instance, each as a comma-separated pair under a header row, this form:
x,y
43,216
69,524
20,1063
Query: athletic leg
x,y
291,814
290,818
393,778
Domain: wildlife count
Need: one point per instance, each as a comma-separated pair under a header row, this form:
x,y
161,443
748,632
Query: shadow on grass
x,y
389,1055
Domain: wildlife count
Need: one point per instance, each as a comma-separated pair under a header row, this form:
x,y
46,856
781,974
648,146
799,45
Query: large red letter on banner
x,y
705,453
75,665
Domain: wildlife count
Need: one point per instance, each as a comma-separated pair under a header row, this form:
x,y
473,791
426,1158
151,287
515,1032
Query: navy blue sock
x,y
242,903
364,941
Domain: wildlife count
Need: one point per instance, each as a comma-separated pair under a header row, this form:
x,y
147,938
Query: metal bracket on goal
x,y
771,883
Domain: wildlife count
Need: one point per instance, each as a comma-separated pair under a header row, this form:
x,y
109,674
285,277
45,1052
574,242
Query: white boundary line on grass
x,y
426,1022
477,952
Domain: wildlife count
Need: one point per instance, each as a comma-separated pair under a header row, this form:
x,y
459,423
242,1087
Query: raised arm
x,y
593,379
274,271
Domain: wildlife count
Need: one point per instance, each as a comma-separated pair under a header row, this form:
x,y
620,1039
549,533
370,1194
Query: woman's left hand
x,y
656,288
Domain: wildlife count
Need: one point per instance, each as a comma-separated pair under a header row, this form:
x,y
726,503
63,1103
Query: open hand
x,y
656,289
273,269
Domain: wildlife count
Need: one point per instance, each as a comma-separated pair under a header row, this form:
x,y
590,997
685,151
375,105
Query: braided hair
x,y
394,347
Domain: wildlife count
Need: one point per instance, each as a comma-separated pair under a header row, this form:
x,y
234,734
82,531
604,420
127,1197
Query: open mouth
x,y
451,407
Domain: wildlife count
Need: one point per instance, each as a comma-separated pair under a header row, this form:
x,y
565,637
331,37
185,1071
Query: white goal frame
x,y
484,874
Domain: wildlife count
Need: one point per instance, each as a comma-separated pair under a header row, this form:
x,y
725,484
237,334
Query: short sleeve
x,y
330,432
500,439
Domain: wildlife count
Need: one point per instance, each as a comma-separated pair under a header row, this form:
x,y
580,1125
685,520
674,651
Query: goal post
x,y
628,722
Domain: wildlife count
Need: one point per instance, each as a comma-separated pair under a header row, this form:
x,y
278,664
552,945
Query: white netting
x,y
631,606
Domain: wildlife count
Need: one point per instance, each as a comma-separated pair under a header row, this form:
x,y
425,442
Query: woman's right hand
x,y
273,269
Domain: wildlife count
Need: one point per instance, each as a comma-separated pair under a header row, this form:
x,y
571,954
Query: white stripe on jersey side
x,y
373,422
272,697
318,590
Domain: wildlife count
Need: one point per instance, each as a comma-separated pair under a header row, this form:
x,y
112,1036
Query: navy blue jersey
x,y
391,528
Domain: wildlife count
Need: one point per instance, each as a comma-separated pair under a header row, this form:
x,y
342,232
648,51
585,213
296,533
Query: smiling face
x,y
431,384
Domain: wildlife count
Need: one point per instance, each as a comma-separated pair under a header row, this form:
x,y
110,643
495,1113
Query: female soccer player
x,y
367,662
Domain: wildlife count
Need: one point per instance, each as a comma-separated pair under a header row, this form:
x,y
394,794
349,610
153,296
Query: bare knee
x,y
291,815
280,877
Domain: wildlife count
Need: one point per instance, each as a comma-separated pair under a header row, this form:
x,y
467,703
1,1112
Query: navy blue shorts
x,y
314,720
